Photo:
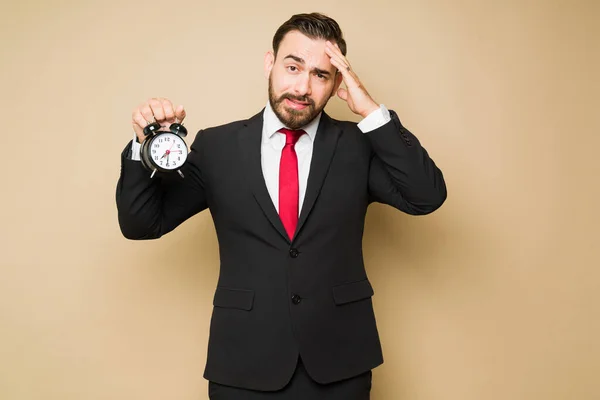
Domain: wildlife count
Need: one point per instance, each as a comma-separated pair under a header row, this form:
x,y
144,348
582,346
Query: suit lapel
x,y
323,150
250,138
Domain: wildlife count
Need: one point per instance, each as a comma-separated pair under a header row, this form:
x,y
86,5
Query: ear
x,y
269,62
339,78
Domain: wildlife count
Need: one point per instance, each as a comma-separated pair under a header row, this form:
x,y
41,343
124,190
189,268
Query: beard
x,y
293,119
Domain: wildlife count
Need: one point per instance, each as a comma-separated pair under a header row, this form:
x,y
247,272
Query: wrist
x,y
373,107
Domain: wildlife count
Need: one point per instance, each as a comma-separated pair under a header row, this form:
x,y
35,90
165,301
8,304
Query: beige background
x,y
493,297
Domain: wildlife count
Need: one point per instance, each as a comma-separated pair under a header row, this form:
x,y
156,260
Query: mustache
x,y
297,98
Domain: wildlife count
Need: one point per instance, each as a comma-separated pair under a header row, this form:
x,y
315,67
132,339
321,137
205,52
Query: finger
x,y
335,49
169,111
344,58
337,46
180,114
340,64
139,118
139,122
349,79
343,94
146,112
157,109
139,132
333,55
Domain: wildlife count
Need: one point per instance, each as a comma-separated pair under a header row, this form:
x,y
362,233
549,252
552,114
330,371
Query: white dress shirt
x,y
274,141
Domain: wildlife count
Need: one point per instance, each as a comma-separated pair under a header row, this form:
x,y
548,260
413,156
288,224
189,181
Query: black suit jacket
x,y
275,298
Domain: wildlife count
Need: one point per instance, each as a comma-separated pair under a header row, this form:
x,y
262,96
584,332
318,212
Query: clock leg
x,y
180,173
153,172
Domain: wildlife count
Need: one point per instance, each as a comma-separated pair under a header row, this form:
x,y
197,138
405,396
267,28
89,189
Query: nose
x,y
302,87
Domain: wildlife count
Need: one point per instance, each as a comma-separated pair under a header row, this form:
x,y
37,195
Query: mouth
x,y
295,104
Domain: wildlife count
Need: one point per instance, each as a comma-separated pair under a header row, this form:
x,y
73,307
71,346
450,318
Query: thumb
x,y
343,94
180,114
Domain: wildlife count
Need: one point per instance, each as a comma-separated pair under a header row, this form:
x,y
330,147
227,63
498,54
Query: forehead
x,y
312,51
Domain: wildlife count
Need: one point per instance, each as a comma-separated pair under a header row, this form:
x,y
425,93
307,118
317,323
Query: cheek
x,y
282,83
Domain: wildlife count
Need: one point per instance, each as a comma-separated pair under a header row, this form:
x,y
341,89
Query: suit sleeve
x,y
149,208
402,174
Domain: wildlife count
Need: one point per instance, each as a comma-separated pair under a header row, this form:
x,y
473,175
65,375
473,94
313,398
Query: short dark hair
x,y
313,25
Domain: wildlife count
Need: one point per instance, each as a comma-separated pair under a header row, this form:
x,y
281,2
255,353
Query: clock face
x,y
168,151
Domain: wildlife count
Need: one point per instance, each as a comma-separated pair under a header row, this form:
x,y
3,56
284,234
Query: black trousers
x,y
300,387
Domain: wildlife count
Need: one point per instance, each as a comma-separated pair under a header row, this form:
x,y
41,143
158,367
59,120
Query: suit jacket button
x,y
294,253
296,299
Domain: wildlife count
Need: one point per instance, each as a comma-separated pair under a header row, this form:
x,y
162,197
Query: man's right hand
x,y
156,109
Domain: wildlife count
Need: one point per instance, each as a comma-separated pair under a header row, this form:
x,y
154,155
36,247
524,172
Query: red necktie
x,y
289,192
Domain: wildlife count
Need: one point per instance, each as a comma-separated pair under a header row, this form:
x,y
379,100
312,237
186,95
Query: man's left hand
x,y
357,97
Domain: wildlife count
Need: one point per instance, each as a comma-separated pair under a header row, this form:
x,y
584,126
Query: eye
x,y
322,77
292,68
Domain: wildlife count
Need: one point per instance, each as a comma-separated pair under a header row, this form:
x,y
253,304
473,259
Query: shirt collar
x,y
272,124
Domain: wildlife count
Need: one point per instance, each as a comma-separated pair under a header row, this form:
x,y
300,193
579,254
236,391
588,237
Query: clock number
x,y
178,145
156,158
178,158
168,139
156,145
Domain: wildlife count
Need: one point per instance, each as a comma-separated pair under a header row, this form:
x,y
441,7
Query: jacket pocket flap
x,y
234,298
352,292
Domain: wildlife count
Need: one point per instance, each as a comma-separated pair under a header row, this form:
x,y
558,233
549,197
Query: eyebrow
x,y
301,61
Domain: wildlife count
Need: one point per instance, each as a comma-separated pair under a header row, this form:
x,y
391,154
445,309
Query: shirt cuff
x,y
135,148
375,120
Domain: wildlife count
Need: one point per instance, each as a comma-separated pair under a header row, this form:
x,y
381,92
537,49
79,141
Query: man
x,y
288,190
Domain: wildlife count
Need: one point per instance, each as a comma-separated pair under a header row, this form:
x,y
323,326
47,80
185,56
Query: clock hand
x,y
166,154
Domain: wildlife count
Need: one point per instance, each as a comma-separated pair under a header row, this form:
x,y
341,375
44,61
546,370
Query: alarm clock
x,y
162,150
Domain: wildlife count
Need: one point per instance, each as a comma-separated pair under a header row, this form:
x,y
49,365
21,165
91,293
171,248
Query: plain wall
x,y
493,297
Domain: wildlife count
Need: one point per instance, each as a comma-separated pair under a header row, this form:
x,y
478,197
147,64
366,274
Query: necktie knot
x,y
291,136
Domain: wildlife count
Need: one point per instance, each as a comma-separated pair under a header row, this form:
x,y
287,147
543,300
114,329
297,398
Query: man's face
x,y
301,79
